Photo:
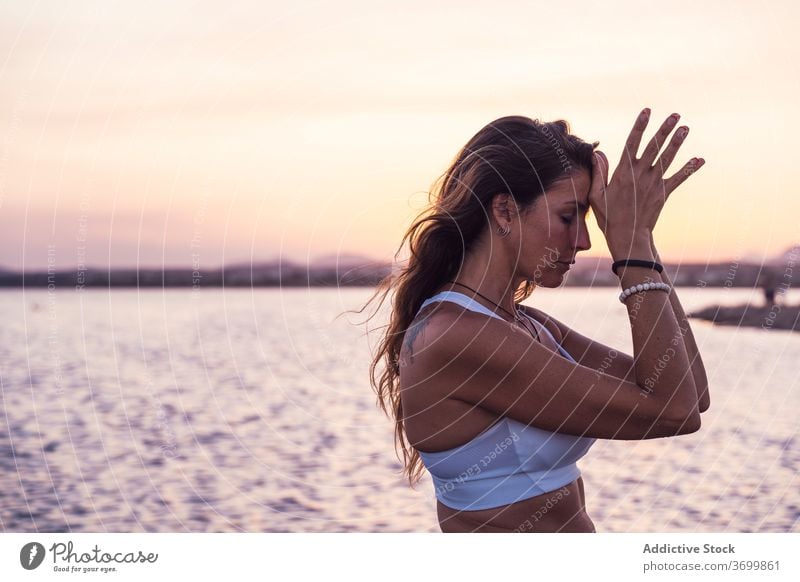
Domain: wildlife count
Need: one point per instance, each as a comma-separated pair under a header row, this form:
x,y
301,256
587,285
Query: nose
x,y
582,242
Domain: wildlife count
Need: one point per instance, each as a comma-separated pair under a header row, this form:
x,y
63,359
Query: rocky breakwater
x,y
765,316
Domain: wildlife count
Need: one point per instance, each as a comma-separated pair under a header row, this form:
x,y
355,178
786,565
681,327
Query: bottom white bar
x,y
400,557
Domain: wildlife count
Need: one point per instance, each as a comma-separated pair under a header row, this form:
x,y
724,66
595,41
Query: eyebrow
x,y
582,207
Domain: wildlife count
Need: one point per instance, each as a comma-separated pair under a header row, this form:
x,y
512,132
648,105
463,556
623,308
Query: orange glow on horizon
x,y
261,130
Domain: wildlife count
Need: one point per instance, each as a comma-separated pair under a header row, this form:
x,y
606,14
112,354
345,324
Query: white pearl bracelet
x,y
643,287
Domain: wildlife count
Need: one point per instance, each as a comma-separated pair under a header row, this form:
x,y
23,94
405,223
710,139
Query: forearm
x,y
661,365
693,354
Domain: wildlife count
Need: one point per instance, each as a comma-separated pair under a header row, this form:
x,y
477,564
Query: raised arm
x,y
614,362
484,362
627,208
661,363
693,354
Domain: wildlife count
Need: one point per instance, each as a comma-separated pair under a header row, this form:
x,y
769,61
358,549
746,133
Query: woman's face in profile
x,y
554,230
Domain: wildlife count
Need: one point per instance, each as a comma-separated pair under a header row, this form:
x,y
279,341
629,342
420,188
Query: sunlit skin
x,y
537,243
544,239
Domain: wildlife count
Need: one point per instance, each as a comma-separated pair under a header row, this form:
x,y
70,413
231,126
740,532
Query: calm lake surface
x,y
250,410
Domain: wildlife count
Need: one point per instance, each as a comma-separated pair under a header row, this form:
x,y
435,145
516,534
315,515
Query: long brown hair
x,y
516,155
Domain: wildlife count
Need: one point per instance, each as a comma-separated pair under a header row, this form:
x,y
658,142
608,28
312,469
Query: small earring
x,y
504,231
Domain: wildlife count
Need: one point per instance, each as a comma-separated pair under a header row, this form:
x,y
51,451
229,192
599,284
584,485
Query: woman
x,y
498,400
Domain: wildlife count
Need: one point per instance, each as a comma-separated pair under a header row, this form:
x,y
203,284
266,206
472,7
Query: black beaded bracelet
x,y
636,263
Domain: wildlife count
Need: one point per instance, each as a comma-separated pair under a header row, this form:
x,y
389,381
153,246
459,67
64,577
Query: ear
x,y
503,208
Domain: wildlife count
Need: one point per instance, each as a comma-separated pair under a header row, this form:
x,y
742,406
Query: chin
x,y
550,280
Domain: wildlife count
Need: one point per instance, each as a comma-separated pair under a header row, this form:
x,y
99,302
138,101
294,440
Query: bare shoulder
x,y
434,418
436,339
558,329
431,324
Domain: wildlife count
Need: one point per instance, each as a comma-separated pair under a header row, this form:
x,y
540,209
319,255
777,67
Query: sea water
x,y
250,410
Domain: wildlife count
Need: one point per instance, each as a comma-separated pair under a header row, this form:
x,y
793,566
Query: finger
x,y
635,138
662,163
659,139
599,176
604,167
681,175
599,169
597,190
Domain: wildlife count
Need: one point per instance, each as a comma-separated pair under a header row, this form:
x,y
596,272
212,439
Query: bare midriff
x,y
559,511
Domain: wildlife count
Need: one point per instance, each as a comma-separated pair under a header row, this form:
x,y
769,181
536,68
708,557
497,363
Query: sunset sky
x,y
159,132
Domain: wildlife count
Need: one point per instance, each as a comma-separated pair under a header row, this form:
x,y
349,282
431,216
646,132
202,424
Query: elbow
x,y
704,402
688,424
665,427
680,423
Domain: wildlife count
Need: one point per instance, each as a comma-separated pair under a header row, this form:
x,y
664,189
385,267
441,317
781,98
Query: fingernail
x,y
645,114
673,119
683,132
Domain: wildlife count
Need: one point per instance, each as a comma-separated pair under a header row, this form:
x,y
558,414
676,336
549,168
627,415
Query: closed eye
x,y
567,219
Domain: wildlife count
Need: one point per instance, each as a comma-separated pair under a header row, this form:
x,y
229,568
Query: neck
x,y
491,276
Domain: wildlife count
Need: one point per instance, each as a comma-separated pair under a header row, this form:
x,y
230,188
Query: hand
x,y
631,202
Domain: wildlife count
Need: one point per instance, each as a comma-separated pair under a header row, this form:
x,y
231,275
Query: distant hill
x,y
790,257
344,261
348,270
